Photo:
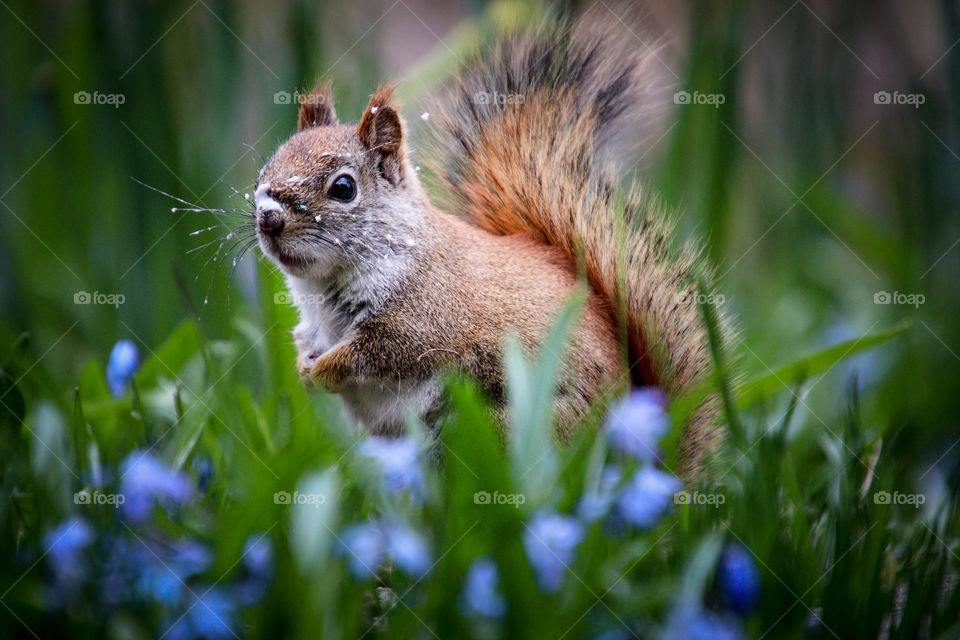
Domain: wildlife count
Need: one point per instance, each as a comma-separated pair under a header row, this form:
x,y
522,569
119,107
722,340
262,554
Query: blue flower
x,y
157,582
146,480
481,589
399,462
363,547
64,549
739,579
203,467
211,615
596,501
125,562
367,545
258,555
407,549
636,424
551,541
258,569
646,497
692,622
67,541
154,571
122,364
189,558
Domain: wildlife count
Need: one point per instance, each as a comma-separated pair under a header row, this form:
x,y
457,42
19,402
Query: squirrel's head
x,y
335,195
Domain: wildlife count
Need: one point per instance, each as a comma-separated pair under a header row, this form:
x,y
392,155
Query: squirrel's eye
x,y
344,188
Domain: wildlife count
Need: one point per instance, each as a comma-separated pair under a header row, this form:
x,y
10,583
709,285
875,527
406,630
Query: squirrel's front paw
x,y
323,372
305,362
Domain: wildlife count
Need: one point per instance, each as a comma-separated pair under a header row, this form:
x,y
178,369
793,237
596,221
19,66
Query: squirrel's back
x,y
523,143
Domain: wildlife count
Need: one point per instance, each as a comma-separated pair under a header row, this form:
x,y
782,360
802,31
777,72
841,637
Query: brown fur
x,y
441,319
537,167
534,200
316,109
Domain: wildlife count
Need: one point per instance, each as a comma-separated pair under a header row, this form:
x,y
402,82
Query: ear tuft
x,y
380,128
316,107
381,133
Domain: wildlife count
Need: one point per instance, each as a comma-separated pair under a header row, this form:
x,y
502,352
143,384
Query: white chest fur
x,y
321,325
382,408
328,312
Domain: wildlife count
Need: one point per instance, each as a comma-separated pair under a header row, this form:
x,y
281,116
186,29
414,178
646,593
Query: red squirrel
x,y
392,290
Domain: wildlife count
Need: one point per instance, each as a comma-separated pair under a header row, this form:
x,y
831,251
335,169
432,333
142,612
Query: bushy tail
x,y
523,142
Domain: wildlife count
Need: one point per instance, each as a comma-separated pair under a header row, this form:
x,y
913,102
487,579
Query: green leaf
x,y
170,357
768,383
474,462
531,392
186,448
721,374
699,568
314,520
12,410
50,455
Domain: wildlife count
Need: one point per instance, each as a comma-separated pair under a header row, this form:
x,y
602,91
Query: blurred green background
x,y
810,193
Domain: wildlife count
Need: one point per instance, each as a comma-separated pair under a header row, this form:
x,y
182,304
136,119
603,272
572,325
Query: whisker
x,y
239,241
240,213
243,196
323,239
207,244
202,268
259,156
162,192
243,251
205,229
369,248
241,232
348,250
191,206
215,257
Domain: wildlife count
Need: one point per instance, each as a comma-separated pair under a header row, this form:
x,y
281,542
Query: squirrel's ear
x,y
381,132
316,107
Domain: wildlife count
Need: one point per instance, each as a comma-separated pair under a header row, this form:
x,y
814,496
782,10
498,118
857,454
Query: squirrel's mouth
x,y
293,261
288,259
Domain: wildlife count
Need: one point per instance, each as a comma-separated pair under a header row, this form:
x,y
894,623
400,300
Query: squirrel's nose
x,y
270,222
269,211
